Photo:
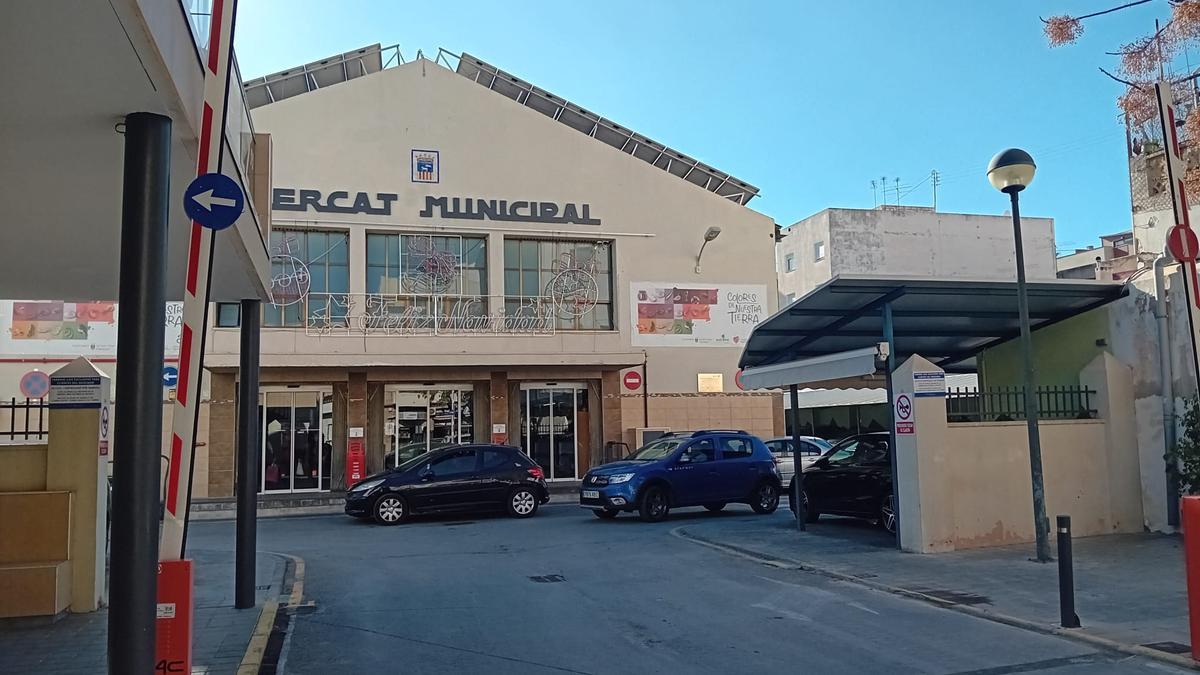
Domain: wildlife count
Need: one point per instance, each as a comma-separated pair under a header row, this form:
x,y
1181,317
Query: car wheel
x,y
811,515
715,506
522,503
766,498
887,514
655,506
390,510
606,514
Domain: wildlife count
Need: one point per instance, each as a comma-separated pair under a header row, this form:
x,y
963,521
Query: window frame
x,y
541,259
789,262
454,454
819,251
726,444
217,318
274,316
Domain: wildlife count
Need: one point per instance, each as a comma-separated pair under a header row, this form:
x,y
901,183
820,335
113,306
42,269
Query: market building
x,y
461,256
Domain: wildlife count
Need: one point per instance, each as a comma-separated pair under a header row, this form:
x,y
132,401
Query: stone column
x,y
77,455
923,480
612,427
498,407
222,432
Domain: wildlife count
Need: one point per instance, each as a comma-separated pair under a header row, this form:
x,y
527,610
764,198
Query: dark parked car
x,y
702,468
853,479
458,478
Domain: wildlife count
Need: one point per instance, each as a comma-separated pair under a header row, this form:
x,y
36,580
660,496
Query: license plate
x,y
591,494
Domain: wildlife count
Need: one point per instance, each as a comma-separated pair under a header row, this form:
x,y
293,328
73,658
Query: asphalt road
x,y
565,592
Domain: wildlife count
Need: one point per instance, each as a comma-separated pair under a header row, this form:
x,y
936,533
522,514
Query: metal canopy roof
x,y
606,131
947,321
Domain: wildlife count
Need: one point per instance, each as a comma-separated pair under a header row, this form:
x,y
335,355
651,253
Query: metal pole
x,y
645,392
1066,575
798,480
247,457
133,577
1166,375
889,336
1040,521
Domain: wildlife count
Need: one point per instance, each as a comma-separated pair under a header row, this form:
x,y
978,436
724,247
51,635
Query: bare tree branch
x,y
1107,11
1127,83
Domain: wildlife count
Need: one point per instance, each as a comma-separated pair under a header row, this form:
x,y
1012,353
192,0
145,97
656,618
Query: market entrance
x,y
554,422
296,426
420,419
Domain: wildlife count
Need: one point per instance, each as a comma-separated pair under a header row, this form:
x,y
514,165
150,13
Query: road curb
x,y
1074,634
262,651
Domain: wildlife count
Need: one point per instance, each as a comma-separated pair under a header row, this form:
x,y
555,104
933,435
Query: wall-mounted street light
x,y
1011,171
709,235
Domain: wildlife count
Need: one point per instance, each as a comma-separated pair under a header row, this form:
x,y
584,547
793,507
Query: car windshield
x,y
656,449
820,442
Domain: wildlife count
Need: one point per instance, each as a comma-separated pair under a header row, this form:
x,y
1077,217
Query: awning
x,y
948,321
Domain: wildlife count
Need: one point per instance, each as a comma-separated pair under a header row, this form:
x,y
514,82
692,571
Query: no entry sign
x,y
632,380
1182,243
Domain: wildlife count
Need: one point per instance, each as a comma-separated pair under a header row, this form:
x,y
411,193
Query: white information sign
x,y
929,383
75,392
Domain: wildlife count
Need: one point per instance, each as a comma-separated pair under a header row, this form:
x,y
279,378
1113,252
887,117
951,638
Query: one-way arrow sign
x,y
214,200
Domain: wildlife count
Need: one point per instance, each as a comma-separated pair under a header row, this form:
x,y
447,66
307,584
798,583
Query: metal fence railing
x,y
1005,404
23,420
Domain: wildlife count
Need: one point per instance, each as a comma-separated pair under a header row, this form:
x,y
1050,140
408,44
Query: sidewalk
x,y
77,644
1128,588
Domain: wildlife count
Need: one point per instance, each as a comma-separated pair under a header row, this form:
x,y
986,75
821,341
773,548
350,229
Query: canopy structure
x,y
834,333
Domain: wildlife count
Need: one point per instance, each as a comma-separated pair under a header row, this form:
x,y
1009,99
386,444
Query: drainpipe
x,y
1165,375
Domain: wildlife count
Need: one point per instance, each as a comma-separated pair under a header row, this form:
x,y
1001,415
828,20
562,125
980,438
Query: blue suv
x,y
703,468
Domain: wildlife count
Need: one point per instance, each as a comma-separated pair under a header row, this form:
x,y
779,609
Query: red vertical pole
x,y
1191,550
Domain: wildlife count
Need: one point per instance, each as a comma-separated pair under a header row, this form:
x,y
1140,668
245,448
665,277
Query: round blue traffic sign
x,y
214,200
35,384
170,376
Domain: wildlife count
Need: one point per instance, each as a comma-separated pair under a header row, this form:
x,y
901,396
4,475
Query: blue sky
x,y
809,101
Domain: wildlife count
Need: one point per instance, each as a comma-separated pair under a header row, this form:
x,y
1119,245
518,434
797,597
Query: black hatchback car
x,y
458,478
854,478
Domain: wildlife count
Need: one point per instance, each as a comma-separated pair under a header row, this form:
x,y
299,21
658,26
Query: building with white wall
x,y
907,241
462,256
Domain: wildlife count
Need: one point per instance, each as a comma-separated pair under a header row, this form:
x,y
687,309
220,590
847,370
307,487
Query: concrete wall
x,y
969,486
912,241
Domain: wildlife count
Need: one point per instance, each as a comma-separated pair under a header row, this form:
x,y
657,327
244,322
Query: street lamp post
x,y
1009,172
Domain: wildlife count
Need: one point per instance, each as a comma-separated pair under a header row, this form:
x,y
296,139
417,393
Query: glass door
x,y
550,417
418,421
295,455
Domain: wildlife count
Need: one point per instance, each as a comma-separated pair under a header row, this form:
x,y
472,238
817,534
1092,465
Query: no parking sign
x,y
905,422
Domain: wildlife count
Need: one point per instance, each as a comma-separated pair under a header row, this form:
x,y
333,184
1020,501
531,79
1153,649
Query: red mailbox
x,y
356,461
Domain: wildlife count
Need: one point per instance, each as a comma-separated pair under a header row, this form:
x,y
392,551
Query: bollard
x,y
1066,575
798,501
1190,506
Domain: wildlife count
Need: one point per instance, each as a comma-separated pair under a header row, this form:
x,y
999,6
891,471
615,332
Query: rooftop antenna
x,y
934,179
883,187
897,191
875,193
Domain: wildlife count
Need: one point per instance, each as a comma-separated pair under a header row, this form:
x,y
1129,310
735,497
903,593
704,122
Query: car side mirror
x,y
426,473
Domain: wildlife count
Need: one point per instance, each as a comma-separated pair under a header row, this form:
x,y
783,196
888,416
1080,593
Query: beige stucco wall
x,y
968,485
752,412
358,136
989,477
23,467
907,241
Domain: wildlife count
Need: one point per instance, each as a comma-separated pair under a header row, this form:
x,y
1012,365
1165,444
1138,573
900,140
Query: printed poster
x,y
695,315
55,328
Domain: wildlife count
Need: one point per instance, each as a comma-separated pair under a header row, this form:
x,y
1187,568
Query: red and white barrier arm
x,y
217,65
